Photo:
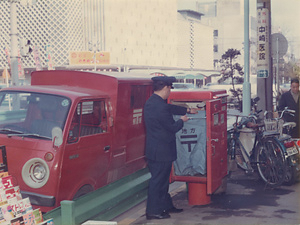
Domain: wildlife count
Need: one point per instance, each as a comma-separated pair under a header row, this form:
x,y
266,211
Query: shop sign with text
x,y
263,38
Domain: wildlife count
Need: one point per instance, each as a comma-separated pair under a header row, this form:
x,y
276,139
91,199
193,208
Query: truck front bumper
x,y
38,199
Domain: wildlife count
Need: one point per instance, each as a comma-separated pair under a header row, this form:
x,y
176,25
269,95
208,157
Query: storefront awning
x,y
181,74
194,76
189,75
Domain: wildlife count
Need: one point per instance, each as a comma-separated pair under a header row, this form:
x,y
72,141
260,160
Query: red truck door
x,y
88,149
216,144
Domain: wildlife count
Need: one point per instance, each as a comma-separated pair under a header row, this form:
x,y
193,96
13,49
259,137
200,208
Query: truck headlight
x,y
35,173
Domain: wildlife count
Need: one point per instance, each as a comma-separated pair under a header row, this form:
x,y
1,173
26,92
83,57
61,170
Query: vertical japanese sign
x,y
263,38
48,49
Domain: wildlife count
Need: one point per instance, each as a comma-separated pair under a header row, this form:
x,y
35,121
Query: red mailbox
x,y
202,143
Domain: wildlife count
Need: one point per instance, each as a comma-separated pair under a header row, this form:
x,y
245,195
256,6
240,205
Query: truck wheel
x,y
83,190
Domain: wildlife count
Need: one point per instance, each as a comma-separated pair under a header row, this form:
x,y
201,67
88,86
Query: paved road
x,y
246,201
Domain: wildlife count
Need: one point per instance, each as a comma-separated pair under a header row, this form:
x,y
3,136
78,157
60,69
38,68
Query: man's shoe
x,y
174,210
163,215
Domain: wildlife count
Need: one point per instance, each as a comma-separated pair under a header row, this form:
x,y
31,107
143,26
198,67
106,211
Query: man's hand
x,y
192,111
184,118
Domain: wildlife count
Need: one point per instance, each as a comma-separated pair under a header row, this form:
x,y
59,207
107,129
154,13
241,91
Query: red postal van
x,y
71,132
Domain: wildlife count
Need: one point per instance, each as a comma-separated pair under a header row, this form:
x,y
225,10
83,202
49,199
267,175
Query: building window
x,y
216,63
215,48
216,33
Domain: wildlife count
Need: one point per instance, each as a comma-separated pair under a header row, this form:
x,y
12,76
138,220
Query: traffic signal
x,y
25,47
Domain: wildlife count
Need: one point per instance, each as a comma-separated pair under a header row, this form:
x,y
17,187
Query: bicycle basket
x,y
270,124
273,125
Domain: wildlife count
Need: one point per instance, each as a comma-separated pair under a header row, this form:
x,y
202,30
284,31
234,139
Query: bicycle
x,y
291,148
263,153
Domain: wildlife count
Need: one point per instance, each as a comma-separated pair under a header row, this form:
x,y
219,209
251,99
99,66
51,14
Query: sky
x,y
286,15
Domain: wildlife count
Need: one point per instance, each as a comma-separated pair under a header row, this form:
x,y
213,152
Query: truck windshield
x,y
32,114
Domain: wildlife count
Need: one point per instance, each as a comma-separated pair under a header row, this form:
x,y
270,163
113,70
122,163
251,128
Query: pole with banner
x,y
264,63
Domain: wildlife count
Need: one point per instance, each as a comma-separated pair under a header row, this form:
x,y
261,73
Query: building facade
x,y
195,41
134,32
55,23
227,19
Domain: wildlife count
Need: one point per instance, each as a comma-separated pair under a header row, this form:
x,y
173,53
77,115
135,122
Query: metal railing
x,y
105,203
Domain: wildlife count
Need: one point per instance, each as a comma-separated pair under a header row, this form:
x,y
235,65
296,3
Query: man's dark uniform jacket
x,y
161,128
160,150
287,100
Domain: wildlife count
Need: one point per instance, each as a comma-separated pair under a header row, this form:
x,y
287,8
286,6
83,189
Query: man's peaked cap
x,y
164,79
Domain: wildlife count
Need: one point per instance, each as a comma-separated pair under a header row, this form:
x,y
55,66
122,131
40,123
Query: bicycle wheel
x,y
236,158
231,148
231,164
271,162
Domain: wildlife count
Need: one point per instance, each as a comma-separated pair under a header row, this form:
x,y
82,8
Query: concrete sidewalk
x,y
246,201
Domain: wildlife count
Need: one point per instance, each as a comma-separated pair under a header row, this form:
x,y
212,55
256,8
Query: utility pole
x,y
14,42
265,75
246,84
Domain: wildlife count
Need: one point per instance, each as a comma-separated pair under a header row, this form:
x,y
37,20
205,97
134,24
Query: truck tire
x,y
83,191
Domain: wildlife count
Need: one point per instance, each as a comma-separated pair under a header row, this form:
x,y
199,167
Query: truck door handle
x,y
106,148
216,140
213,150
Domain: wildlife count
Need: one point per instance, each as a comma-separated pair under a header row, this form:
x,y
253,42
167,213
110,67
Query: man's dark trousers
x,y
158,197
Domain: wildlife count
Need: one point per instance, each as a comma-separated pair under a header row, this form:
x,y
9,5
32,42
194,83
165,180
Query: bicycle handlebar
x,y
259,111
290,111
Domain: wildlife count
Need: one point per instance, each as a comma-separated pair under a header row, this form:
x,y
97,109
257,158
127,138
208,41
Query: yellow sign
x,y
87,58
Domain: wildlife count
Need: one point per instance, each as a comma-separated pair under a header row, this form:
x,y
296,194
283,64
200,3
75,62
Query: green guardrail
x,y
105,203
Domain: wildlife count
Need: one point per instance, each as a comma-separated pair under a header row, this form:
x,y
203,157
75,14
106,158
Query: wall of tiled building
x,y
134,32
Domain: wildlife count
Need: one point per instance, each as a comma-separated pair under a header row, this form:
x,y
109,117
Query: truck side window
x,y
138,96
89,119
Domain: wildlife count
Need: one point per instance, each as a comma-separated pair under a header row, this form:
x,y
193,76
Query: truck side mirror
x,y
57,136
111,121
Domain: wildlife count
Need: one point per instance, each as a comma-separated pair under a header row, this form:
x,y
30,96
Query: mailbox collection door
x,y
216,144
